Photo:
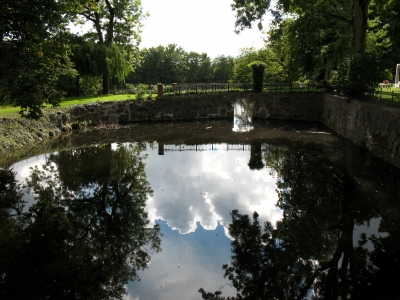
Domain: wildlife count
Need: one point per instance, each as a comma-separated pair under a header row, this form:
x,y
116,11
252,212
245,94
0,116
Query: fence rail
x,y
206,147
384,94
202,88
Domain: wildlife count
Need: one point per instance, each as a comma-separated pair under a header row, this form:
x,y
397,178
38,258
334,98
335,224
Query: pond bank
x,y
372,126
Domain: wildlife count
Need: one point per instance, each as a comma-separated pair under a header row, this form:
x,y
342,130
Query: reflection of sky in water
x,y
194,193
186,263
205,186
243,115
22,170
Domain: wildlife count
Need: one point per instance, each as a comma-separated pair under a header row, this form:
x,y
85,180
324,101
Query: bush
x,y
258,75
359,74
91,85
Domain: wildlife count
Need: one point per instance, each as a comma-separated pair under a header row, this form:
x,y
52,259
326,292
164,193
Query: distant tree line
x,y
352,42
173,64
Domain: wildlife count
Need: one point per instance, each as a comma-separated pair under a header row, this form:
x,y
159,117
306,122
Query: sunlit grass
x,y
89,99
9,109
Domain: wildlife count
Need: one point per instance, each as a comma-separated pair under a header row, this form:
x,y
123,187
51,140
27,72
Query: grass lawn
x,y
9,109
388,95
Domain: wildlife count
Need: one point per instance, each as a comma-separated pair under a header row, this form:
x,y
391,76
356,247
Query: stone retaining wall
x,y
192,107
373,126
370,125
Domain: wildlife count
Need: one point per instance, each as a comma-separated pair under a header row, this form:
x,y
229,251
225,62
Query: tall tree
x,y
116,28
34,52
222,68
354,13
160,64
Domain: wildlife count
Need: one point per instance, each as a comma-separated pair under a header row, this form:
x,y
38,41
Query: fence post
x,y
392,96
160,90
228,86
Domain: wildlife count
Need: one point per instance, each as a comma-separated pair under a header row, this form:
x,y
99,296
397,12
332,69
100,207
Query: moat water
x,y
160,211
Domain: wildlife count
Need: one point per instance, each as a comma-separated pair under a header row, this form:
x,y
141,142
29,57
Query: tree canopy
x,y
34,52
116,28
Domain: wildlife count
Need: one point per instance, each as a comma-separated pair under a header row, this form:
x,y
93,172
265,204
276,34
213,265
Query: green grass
x,y
89,99
9,109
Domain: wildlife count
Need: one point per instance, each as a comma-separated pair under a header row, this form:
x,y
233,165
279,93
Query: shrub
x,y
359,74
90,85
258,75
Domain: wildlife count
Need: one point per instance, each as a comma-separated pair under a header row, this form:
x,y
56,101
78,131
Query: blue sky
x,y
197,25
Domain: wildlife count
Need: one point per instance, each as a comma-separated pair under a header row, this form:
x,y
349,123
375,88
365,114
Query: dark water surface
x,y
159,211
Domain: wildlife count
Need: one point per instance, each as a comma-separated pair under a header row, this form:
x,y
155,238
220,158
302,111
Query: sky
x,y
203,26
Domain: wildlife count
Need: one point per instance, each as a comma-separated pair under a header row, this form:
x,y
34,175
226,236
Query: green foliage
x,y
222,68
116,31
172,64
90,85
141,90
242,70
257,76
34,52
359,74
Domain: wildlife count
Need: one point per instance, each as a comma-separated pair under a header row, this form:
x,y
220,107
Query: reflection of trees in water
x,y
310,254
243,115
255,162
87,233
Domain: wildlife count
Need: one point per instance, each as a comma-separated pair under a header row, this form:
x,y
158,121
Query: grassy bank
x,y
12,111
17,132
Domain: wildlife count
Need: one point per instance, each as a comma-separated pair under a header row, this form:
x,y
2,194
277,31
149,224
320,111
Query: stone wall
x,y
191,107
373,126
370,125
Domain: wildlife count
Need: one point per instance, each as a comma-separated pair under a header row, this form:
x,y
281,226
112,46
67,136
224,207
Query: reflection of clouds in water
x,y
184,265
205,187
23,170
369,228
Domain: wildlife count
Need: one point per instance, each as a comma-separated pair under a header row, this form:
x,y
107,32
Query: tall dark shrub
x,y
258,74
360,74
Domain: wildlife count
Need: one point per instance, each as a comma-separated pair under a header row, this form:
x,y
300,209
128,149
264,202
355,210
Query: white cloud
x,y
200,26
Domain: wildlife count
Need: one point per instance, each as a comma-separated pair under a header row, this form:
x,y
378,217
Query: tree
x,y
116,30
222,68
354,13
160,64
34,52
197,67
296,51
242,69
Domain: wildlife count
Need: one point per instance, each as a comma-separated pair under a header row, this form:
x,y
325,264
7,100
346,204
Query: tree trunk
x,y
106,85
77,85
360,19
